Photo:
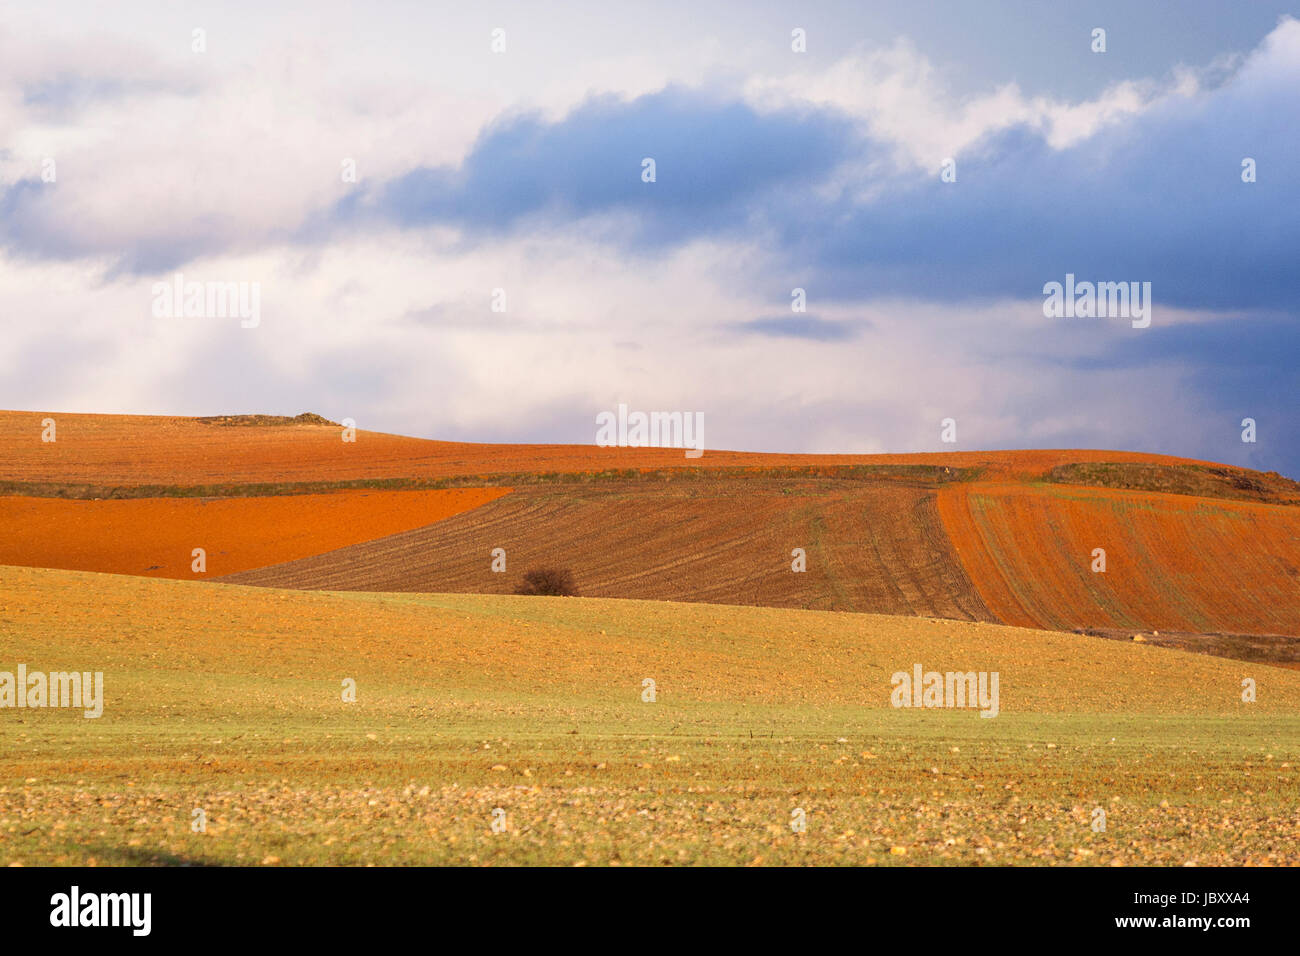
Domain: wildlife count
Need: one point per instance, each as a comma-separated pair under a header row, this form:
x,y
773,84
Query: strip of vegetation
x,y
306,418
1200,480
927,474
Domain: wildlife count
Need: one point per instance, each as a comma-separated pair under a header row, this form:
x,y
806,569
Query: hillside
x,y
869,546
107,452
1207,555
228,699
1173,562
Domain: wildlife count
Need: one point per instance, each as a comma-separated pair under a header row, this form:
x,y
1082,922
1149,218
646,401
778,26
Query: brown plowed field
x,y
870,546
156,536
153,450
1173,562
1004,536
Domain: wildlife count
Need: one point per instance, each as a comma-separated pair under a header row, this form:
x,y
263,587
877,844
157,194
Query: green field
x,y
228,699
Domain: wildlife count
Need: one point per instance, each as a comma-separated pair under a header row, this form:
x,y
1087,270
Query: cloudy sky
x,y
128,156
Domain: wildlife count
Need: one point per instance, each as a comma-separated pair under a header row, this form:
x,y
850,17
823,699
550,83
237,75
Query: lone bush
x,y
550,581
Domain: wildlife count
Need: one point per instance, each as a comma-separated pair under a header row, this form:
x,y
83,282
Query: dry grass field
x,y
227,699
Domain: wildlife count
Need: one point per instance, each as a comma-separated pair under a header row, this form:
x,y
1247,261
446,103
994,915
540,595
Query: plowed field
x,y
1208,552
1172,561
869,546
156,536
152,450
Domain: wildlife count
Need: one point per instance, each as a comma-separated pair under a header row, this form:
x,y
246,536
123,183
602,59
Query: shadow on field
x,y
135,856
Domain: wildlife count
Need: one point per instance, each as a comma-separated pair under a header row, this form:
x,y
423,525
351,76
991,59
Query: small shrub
x,y
549,581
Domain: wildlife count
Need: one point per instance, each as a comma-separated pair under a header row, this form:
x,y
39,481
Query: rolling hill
x,y
1208,555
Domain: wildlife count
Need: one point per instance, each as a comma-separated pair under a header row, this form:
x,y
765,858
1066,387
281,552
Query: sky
x,y
498,268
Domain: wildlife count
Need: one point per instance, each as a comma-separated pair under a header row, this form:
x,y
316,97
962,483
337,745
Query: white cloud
x,y
394,330
905,101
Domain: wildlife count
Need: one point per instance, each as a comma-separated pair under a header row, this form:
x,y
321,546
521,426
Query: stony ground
x,y
227,700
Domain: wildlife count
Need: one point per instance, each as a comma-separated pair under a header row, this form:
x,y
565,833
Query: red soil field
x,y
149,450
1009,539
156,536
870,546
1173,562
